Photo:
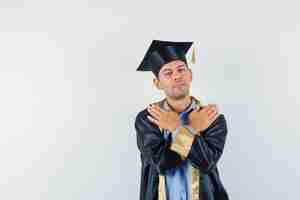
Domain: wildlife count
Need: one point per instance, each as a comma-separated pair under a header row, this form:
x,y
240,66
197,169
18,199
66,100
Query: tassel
x,y
193,61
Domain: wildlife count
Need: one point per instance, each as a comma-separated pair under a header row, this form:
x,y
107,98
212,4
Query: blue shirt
x,y
178,178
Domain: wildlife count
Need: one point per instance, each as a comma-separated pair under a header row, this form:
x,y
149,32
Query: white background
x,y
70,93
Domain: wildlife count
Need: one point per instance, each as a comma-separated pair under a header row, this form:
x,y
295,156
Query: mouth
x,y
179,85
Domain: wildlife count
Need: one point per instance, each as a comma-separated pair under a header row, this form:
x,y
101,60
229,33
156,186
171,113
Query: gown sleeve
x,y
208,146
152,145
203,149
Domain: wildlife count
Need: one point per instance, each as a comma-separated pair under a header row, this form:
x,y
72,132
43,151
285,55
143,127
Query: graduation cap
x,y
163,52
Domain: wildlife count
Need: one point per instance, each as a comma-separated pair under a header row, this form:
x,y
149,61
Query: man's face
x,y
174,78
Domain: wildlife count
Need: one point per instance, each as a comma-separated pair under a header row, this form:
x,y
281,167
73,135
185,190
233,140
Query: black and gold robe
x,y
159,155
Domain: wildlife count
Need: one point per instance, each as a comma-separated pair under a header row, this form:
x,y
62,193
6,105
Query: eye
x,y
168,74
182,70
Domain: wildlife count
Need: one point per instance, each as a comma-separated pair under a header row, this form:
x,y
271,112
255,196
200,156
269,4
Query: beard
x,y
177,93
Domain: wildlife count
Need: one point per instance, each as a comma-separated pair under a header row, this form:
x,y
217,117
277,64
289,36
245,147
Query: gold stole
x,y
195,174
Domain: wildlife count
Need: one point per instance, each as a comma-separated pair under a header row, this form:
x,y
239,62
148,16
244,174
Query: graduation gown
x,y
158,155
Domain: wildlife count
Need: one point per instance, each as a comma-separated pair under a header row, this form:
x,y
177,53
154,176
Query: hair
x,y
157,75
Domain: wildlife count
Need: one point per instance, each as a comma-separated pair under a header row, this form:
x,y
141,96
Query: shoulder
x,y
218,127
143,113
141,119
222,121
144,126
221,117
201,101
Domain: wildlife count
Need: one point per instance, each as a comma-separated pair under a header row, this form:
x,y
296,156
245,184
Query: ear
x,y
191,74
156,83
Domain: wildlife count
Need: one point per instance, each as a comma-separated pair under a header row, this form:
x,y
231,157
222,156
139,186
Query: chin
x,y
179,96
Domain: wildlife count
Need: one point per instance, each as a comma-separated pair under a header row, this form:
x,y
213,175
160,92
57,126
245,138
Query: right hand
x,y
163,119
202,119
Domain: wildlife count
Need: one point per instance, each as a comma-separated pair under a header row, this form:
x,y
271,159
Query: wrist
x,y
196,131
173,128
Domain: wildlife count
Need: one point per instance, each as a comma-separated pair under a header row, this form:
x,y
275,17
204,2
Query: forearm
x,y
208,147
154,147
203,149
182,141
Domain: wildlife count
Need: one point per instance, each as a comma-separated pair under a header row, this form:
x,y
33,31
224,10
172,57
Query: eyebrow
x,y
181,65
168,69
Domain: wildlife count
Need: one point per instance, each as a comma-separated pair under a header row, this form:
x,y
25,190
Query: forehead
x,y
173,65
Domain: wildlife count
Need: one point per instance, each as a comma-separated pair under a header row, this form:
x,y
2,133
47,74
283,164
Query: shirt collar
x,y
165,106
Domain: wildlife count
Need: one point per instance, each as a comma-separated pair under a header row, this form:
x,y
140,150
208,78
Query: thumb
x,y
196,109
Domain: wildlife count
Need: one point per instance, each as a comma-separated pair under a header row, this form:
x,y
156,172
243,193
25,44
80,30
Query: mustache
x,y
180,84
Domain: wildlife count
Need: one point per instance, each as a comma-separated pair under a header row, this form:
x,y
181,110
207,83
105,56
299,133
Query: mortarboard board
x,y
163,52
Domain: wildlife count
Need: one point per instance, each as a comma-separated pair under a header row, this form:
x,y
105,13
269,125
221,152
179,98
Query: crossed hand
x,y
198,119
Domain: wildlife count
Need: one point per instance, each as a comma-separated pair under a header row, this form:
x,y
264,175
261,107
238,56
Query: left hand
x,y
164,119
200,120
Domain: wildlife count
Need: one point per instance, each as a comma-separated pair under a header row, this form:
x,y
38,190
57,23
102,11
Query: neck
x,y
179,105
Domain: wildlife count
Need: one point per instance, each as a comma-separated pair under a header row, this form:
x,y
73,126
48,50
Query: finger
x,y
153,113
194,111
215,107
154,108
212,107
152,119
211,104
204,109
197,108
213,117
212,111
157,108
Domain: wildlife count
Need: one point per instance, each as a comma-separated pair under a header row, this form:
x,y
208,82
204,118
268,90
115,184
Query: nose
x,y
176,76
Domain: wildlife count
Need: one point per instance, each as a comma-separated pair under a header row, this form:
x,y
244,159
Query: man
x,y
180,140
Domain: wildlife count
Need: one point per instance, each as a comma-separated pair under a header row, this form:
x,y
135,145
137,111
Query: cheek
x,y
165,84
190,77
161,84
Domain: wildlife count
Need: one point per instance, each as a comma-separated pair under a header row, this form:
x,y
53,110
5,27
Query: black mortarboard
x,y
163,52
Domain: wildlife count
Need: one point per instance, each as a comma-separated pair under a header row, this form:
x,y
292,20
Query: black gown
x,y
157,157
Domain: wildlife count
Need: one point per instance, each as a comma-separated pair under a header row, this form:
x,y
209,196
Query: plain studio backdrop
x,y
70,93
